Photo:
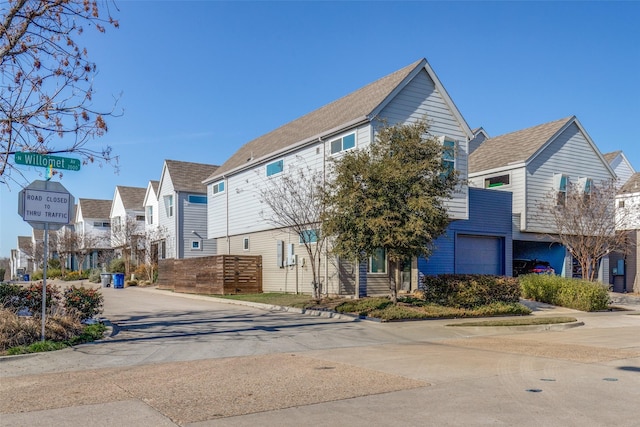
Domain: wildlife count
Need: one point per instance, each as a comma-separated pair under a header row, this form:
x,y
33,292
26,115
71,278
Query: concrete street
x,y
188,360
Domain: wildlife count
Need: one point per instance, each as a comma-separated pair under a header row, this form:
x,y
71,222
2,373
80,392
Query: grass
x,y
408,308
89,333
519,321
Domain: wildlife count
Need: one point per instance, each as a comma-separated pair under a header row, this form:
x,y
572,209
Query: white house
x,y
533,163
621,166
93,224
625,265
126,217
182,198
236,216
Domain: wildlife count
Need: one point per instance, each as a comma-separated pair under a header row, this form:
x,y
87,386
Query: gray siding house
x,y
532,164
182,210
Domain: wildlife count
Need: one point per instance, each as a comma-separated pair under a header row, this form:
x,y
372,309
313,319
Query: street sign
x,y
45,204
56,162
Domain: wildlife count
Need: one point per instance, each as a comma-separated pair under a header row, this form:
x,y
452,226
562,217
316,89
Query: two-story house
x,y
532,164
621,166
182,213
625,265
236,214
93,228
127,222
151,221
22,258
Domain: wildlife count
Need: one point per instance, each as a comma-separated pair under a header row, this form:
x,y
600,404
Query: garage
x,y
479,255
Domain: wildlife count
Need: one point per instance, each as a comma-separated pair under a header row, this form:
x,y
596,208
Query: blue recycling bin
x,y
25,277
118,280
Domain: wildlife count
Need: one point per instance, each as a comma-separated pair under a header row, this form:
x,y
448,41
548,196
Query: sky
x,y
196,80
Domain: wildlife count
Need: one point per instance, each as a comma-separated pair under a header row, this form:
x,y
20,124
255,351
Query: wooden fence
x,y
213,275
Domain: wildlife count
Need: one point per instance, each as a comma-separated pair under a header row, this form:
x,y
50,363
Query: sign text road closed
x,y
56,162
46,206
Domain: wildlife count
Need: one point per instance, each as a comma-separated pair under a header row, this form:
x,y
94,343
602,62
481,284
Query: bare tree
x,y
149,242
296,204
46,79
586,222
127,237
90,242
67,245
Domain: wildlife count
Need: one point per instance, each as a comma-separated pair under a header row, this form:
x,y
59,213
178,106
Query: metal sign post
x,y
45,206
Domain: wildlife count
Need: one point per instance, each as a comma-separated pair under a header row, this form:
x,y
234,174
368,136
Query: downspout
x,y
226,214
326,249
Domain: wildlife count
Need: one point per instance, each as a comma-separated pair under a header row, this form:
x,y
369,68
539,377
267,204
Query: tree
x,y
391,196
67,245
296,204
149,241
89,242
586,222
46,80
127,237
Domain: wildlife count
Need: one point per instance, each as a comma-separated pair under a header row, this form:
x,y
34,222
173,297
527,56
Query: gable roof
x,y
95,208
188,176
515,147
632,185
132,197
154,185
609,157
355,108
24,243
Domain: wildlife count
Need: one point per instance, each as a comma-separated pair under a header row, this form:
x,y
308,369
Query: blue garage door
x,y
479,255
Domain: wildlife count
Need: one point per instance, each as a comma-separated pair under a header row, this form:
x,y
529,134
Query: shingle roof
x,y
132,197
610,156
154,185
188,177
514,147
632,185
356,105
24,243
95,208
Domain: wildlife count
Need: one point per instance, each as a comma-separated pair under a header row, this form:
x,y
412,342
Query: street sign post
x,y
45,206
45,160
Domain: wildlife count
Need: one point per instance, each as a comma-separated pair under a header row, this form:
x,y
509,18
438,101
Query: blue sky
x,y
197,80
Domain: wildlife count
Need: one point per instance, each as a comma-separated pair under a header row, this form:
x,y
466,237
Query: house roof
x,y
632,185
610,156
357,105
188,177
154,185
514,147
95,208
132,197
24,243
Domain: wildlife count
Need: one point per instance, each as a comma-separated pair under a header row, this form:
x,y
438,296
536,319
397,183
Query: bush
x,y
23,331
85,302
75,275
11,296
470,290
565,292
131,283
33,298
117,266
53,264
94,275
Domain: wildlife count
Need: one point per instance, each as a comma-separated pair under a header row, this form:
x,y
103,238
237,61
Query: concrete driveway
x,y
188,360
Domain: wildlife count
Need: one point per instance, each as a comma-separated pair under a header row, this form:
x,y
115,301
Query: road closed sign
x,y
44,202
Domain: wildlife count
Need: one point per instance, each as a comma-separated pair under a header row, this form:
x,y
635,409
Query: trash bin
x,y
25,277
106,279
118,280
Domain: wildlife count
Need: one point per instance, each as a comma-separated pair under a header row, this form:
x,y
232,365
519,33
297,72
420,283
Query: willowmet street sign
x,y
44,160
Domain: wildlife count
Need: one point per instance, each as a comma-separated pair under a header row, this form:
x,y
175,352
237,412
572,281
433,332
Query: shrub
x,y
94,275
117,266
86,302
33,298
470,290
54,264
131,283
23,331
11,296
565,292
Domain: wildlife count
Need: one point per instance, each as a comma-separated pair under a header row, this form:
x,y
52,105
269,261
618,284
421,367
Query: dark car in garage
x,y
531,266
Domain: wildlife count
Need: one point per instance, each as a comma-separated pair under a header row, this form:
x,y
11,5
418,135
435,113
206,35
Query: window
x,y
309,236
448,156
116,221
245,244
378,262
102,224
140,218
496,181
275,167
163,249
149,214
195,245
198,200
168,205
621,203
218,187
561,182
344,143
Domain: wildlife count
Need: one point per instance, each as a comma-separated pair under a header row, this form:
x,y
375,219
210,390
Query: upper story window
x,y
199,200
116,222
218,187
344,143
140,218
245,244
586,184
561,185
275,167
448,155
309,236
168,205
496,181
102,224
149,215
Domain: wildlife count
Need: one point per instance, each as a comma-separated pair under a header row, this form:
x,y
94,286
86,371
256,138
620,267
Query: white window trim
x,y
199,244
386,266
245,244
266,168
484,182
217,186
341,138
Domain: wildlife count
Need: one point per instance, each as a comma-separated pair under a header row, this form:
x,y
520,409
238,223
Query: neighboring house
x,y
236,216
127,220
182,197
532,164
151,220
479,136
93,227
625,265
22,258
620,165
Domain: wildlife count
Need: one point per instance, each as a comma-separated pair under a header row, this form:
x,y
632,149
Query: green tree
x,y
46,79
391,196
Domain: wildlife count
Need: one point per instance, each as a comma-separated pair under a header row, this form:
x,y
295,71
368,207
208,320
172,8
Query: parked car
x,y
531,266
